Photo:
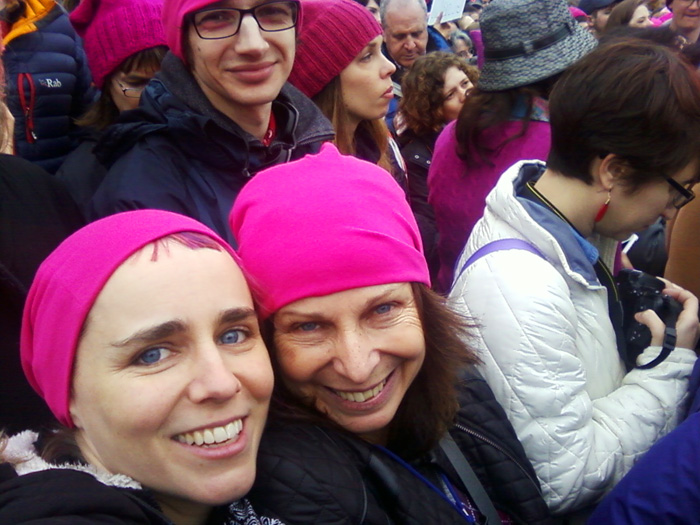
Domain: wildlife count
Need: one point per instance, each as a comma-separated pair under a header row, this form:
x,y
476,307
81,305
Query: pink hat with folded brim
x,y
67,285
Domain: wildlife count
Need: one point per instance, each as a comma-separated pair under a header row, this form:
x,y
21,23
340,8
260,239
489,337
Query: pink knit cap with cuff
x,y
325,224
67,285
335,31
175,14
113,30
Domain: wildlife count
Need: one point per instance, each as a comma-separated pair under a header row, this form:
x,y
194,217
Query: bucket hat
x,y
526,41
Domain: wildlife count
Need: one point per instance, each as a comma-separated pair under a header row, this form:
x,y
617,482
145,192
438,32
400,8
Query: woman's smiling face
x,y
172,379
352,354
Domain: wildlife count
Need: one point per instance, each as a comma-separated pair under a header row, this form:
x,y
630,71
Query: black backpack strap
x,y
471,482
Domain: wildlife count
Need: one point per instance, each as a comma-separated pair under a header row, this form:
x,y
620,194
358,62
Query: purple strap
x,y
499,245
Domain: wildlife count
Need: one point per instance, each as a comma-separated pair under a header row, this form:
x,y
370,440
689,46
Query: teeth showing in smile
x,y
212,436
360,397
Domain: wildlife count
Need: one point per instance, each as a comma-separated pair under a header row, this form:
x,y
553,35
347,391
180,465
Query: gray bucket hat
x,y
526,41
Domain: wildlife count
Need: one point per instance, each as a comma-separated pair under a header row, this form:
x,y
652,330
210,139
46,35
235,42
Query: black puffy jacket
x,y
309,474
48,83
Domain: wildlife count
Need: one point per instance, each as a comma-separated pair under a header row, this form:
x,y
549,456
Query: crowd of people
x,y
317,261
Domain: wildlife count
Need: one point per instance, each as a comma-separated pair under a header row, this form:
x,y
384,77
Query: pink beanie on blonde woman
x,y
174,17
325,224
335,31
67,285
113,30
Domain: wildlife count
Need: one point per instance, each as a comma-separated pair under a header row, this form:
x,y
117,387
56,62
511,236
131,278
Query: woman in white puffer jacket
x,y
625,151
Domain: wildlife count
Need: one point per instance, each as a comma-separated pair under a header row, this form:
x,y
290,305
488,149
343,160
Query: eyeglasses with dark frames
x,y
224,22
130,92
683,193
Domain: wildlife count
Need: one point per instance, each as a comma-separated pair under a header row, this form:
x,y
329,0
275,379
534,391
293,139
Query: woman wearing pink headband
x,y
140,334
372,373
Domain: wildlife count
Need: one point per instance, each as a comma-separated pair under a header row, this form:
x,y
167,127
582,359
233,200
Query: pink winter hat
x,y
335,31
174,16
68,283
113,30
325,224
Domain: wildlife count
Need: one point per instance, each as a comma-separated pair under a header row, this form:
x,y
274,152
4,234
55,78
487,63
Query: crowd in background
x,y
319,261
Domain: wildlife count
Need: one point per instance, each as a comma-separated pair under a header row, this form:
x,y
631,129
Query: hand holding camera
x,y
656,313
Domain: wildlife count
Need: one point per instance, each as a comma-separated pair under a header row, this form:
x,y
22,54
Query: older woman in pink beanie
x,y
376,409
141,335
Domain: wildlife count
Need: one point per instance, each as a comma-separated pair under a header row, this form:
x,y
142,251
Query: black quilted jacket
x,y
313,475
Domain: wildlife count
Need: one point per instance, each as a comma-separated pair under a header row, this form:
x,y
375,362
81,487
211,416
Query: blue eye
x,y
308,327
152,356
383,308
233,337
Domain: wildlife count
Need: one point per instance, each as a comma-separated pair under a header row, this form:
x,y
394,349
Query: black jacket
x,y
313,475
36,215
417,152
48,83
176,152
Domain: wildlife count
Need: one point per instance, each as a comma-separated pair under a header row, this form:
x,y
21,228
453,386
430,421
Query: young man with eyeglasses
x,y
686,18
219,111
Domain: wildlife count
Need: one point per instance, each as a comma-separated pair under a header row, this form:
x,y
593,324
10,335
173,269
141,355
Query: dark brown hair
x,y
621,15
104,111
422,85
430,405
330,101
633,98
485,110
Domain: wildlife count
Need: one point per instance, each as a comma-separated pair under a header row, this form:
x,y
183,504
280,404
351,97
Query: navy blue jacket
x,y
48,83
176,152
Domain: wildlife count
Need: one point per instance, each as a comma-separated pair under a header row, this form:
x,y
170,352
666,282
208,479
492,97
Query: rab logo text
x,y
49,83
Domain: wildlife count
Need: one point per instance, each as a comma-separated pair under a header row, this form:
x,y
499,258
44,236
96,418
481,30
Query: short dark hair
x,y
430,404
421,86
632,98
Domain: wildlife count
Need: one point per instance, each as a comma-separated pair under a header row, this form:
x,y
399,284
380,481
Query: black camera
x,y
640,291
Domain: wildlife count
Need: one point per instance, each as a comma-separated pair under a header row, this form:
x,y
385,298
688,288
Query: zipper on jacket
x,y
27,104
502,451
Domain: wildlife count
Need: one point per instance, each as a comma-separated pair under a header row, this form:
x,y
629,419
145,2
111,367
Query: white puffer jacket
x,y
549,352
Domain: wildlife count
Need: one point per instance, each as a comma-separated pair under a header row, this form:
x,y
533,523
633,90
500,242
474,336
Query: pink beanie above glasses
x,y
113,30
325,224
175,15
335,31
67,285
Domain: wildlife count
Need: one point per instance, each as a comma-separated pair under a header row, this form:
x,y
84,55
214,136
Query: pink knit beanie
x,y
325,224
66,286
335,31
113,30
175,13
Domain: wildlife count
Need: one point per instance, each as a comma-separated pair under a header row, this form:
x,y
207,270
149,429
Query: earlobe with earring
x,y
603,210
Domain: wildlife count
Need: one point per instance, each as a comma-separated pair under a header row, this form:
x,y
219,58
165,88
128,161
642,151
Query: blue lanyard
x,y
457,504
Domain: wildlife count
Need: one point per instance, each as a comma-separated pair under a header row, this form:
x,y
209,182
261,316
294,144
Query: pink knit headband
x,y
325,224
66,286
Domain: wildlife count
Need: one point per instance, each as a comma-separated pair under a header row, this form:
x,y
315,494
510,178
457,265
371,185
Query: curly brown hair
x,y
422,99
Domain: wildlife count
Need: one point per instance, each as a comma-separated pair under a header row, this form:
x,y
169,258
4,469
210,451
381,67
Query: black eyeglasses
x,y
223,22
131,92
683,193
